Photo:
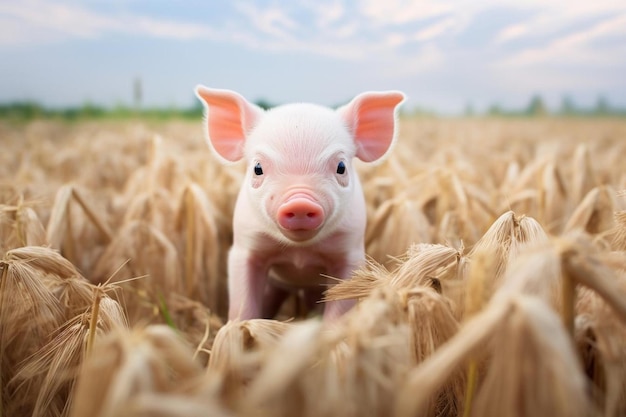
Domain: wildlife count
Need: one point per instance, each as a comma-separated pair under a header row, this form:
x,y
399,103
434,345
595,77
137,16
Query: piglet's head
x,y
300,176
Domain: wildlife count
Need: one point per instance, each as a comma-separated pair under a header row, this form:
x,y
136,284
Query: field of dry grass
x,y
496,286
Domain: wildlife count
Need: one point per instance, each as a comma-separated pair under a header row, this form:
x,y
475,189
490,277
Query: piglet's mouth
x,y
299,235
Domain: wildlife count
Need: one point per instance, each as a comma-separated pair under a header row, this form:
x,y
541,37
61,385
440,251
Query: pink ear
x,y
371,118
229,118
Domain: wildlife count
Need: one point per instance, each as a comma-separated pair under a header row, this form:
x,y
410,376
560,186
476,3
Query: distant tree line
x,y
27,110
32,110
536,107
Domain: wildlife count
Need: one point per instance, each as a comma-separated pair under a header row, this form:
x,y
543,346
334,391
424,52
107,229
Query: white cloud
x,y
395,39
435,30
36,21
325,13
511,32
575,47
607,28
346,30
58,19
272,21
395,12
549,18
168,29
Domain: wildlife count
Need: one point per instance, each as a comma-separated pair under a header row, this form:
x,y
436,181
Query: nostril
x,y
300,214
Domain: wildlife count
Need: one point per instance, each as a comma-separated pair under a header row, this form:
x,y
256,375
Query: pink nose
x,y
300,214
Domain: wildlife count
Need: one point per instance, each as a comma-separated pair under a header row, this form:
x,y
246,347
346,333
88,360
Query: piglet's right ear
x,y
372,119
229,119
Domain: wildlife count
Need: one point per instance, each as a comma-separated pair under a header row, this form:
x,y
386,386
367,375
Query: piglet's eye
x,y
257,169
341,168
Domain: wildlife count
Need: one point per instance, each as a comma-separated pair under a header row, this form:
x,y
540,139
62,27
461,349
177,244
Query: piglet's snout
x,y
300,214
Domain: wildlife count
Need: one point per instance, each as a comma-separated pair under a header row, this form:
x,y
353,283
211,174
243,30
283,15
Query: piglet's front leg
x,y
246,284
335,309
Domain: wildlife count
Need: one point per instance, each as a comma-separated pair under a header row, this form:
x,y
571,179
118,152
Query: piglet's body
x,y
300,214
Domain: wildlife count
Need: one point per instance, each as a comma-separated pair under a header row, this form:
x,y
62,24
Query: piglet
x,y
300,214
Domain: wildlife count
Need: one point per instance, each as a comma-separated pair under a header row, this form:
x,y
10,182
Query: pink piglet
x,y
300,214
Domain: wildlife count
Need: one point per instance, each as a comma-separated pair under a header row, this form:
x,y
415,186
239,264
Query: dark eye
x,y
341,168
257,169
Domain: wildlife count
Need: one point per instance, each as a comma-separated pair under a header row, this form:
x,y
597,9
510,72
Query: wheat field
x,y
496,283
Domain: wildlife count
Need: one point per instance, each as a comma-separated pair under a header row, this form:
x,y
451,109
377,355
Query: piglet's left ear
x,y
372,119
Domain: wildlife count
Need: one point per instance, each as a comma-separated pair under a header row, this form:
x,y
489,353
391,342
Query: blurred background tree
x,y
536,107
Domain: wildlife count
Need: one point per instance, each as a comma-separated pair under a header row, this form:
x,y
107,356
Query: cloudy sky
x,y
443,54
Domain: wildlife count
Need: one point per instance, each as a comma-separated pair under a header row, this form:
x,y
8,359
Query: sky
x,y
444,55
